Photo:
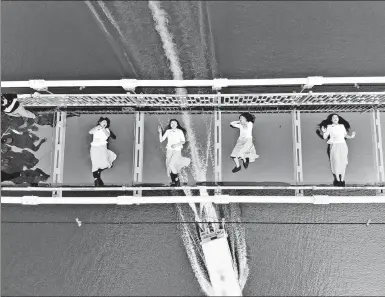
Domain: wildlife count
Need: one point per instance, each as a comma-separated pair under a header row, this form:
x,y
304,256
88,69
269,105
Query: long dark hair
x,y
178,126
104,119
8,96
248,116
329,121
101,119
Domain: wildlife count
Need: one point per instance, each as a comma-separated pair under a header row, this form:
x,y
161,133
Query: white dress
x,y
174,156
244,148
101,157
338,148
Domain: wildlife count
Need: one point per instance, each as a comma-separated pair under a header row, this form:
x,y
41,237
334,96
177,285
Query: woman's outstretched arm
x,y
350,134
164,136
235,124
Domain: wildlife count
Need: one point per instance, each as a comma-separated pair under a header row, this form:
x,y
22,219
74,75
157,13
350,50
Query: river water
x,y
138,250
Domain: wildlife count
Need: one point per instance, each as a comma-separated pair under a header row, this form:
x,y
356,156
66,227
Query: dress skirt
x,y
338,158
101,157
175,159
244,148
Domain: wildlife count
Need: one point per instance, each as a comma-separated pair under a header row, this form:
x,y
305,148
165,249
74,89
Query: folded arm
x,y
94,129
113,136
235,124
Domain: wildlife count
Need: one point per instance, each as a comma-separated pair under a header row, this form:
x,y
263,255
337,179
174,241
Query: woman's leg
x,y
9,176
97,180
100,176
173,170
236,161
35,148
247,149
95,174
21,111
171,159
238,167
335,181
169,154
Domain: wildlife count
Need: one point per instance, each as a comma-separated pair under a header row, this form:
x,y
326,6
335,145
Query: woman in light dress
x,y
11,106
336,129
101,157
175,135
244,149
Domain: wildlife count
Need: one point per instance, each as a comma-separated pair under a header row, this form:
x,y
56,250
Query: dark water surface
x,y
233,39
137,250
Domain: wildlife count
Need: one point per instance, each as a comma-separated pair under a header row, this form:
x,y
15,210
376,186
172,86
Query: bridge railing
x,y
215,194
215,84
165,188
222,100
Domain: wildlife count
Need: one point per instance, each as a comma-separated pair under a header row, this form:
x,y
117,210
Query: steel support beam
x,y
138,150
378,149
58,161
297,149
218,146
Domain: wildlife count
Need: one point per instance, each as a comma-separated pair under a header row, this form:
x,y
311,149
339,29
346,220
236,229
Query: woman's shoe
x,y
172,178
246,164
177,180
99,182
236,169
343,183
174,181
335,183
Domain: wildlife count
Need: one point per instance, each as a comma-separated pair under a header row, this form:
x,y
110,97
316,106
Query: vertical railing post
x,y
378,149
218,144
58,161
297,149
138,150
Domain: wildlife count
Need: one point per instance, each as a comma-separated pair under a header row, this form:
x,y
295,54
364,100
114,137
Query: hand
x,y
353,134
323,129
99,127
159,129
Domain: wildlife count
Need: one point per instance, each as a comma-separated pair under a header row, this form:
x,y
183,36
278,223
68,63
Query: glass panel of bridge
x,y
154,168
273,142
77,164
316,166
